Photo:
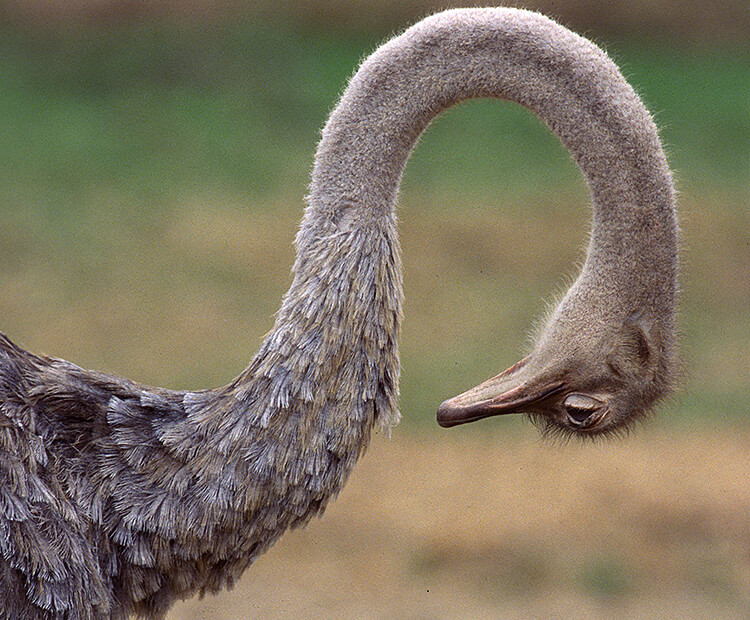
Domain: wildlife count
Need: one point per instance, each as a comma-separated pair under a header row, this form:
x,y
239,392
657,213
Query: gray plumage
x,y
117,498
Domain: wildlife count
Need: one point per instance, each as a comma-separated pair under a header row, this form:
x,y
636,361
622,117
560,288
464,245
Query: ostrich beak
x,y
500,395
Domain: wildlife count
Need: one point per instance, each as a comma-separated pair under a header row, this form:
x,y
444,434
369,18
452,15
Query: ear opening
x,y
637,352
640,332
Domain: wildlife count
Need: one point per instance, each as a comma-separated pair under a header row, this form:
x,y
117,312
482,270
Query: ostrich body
x,y
117,498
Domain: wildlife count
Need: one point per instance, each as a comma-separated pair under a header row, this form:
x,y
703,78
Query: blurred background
x,y
154,162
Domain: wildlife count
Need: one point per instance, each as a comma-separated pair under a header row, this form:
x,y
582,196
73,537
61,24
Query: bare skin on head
x,y
601,389
118,498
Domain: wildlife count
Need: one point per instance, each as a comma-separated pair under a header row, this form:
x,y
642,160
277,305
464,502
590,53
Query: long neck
x,y
526,58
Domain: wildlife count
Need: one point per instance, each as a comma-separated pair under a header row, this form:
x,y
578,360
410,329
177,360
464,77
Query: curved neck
x,y
509,54
338,324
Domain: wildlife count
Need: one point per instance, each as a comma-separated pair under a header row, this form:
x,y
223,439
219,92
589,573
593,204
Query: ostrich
x,y
118,499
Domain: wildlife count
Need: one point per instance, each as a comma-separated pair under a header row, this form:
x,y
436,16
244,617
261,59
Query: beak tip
x,y
451,413
444,414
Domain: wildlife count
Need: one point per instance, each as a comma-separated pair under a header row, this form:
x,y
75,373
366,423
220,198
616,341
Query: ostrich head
x,y
577,380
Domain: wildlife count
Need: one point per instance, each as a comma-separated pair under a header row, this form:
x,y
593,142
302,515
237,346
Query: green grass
x,y
153,111
143,172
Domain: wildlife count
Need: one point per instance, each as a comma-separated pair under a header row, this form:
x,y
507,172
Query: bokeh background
x,y
154,162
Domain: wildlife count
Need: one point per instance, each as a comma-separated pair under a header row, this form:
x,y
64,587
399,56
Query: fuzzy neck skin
x,y
571,85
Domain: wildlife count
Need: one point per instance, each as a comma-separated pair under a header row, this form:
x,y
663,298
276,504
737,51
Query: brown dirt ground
x,y
465,525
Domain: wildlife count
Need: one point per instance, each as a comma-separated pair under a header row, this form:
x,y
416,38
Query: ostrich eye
x,y
580,408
